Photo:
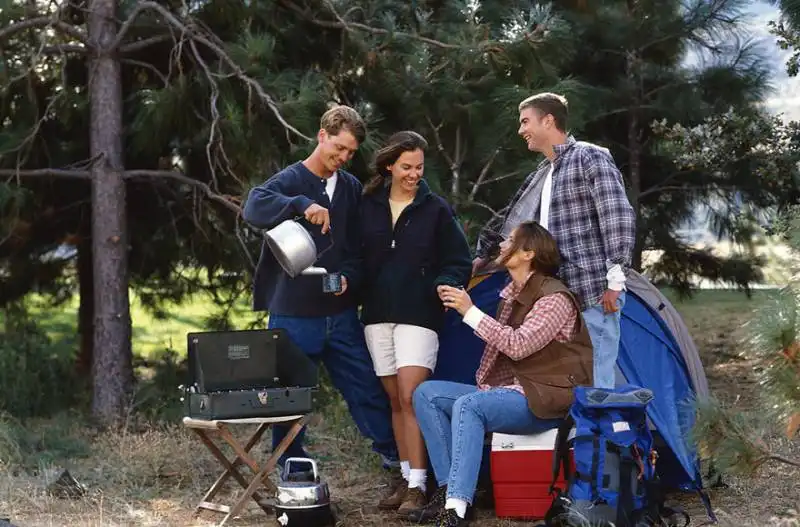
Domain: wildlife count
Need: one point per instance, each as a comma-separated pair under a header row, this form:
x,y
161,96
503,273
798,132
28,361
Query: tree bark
x,y
86,306
634,140
112,370
635,167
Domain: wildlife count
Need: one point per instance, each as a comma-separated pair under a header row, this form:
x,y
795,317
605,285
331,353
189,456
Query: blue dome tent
x,y
656,352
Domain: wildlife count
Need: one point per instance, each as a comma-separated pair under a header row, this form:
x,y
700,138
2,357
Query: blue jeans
x,y
454,419
338,342
604,330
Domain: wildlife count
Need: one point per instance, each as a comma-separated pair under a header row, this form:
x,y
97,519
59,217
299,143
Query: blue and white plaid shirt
x,y
590,218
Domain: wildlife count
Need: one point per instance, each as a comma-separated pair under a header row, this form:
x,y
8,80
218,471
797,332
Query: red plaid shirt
x,y
552,317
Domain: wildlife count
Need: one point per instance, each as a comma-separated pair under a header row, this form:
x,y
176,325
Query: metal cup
x,y
332,283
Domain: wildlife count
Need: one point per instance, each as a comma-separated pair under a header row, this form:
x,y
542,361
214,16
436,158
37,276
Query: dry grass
x,y
153,476
773,496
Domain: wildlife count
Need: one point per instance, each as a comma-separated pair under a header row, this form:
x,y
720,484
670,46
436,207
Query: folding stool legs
x,y
268,466
231,468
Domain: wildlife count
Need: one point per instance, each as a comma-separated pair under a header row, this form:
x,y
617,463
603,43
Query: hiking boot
x,y
449,518
395,498
414,500
429,512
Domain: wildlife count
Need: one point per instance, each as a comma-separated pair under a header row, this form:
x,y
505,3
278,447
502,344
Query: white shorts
x,y
395,346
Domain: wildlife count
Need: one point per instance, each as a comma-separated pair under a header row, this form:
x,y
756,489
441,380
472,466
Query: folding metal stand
x,y
208,431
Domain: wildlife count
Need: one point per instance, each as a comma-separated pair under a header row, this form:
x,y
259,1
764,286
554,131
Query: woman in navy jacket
x,y
412,244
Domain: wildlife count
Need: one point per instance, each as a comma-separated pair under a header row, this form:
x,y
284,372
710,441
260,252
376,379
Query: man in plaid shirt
x,y
578,194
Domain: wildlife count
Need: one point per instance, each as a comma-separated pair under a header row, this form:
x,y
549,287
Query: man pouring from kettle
x,y
324,325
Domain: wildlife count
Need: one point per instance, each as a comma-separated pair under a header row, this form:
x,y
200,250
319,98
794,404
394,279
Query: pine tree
x,y
459,86
736,440
135,128
119,123
787,29
634,59
770,148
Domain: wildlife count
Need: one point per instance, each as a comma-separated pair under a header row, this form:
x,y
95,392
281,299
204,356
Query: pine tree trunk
x,y
635,167
634,140
112,369
86,307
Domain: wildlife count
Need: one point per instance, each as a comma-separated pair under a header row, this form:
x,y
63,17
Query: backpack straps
x,y
625,496
561,451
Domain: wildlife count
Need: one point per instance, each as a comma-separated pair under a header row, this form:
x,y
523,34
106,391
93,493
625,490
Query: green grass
x,y
151,334
717,301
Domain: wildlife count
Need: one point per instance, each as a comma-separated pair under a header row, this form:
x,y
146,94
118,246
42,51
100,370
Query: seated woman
x,y
411,243
536,351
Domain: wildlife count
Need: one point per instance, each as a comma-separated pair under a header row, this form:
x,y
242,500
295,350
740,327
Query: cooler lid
x,y
542,441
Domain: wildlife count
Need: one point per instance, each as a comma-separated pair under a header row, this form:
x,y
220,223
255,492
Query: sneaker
x,y
432,509
395,498
414,501
449,518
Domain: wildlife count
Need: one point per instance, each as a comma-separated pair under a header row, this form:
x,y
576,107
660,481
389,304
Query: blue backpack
x,y
615,481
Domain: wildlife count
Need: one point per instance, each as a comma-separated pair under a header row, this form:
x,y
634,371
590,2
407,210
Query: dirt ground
x,y
154,476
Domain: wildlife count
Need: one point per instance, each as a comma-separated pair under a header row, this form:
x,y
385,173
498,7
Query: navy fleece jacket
x,y
404,264
287,195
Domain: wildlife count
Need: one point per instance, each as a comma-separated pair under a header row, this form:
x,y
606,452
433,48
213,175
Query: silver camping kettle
x,y
296,252
305,502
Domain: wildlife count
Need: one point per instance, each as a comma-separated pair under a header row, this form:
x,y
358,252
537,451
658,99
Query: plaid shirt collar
x,y
559,150
563,147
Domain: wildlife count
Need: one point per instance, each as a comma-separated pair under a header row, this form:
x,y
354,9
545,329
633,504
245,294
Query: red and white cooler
x,y
522,470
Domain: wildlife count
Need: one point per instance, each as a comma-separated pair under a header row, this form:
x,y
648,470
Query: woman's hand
x,y
454,298
344,286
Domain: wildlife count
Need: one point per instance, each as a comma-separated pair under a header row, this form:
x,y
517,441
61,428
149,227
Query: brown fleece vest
x,y
549,375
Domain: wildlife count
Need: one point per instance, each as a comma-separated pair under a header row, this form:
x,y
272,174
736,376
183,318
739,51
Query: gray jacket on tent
x,y
650,294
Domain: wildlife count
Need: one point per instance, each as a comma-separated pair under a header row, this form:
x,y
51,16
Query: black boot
x,y
432,510
449,518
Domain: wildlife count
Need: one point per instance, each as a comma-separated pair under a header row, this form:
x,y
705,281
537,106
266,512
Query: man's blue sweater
x,y
287,195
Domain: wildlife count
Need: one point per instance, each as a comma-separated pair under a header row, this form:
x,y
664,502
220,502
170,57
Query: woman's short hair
x,y
530,236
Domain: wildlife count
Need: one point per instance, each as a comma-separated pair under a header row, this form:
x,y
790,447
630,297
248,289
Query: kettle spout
x,y
315,271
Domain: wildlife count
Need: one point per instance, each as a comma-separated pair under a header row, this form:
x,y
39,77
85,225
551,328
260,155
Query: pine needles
x,y
738,441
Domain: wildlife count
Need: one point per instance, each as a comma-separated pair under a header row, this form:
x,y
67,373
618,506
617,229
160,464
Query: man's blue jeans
x,y
338,342
604,329
454,419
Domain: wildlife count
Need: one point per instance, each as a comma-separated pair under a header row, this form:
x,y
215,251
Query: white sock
x,y
417,478
405,469
460,506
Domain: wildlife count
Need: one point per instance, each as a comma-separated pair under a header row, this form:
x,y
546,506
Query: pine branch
x,y
453,162
495,179
45,172
194,33
139,45
43,22
126,26
147,66
484,206
785,460
351,27
483,174
226,201
61,49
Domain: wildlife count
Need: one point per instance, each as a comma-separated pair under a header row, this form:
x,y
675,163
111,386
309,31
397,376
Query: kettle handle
x,y
299,219
310,461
